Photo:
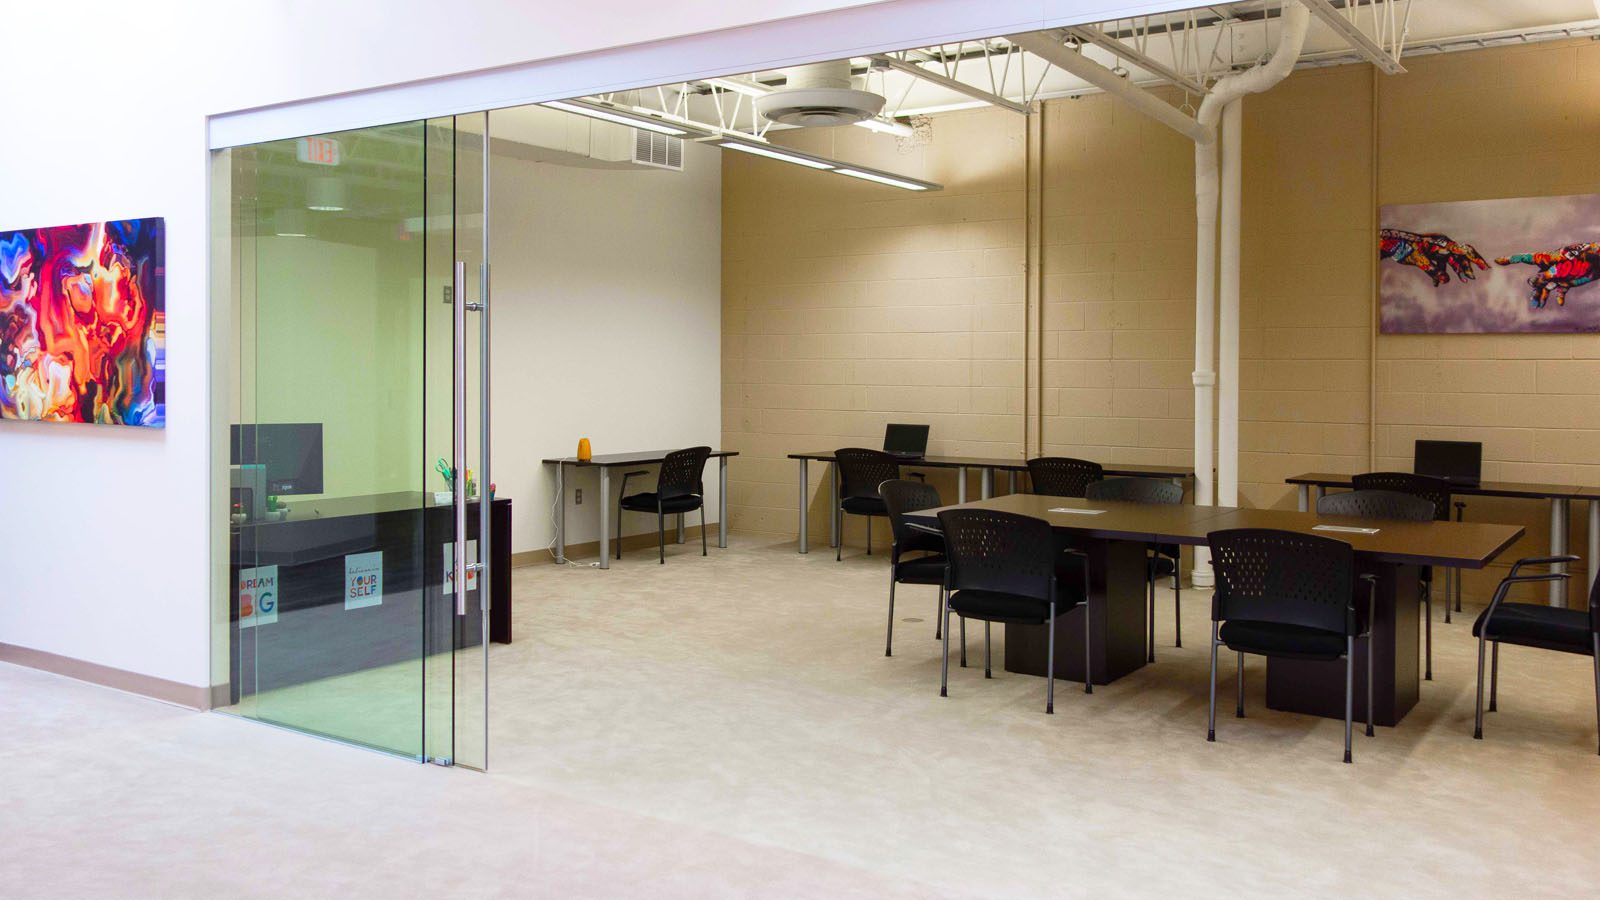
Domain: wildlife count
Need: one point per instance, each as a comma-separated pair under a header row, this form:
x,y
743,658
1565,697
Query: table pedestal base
x,y
1117,613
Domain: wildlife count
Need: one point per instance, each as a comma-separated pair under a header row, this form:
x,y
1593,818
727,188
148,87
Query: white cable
x,y
561,497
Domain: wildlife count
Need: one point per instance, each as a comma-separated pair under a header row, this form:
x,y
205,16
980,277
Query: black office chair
x,y
926,565
1535,625
1435,491
1372,504
1164,558
679,489
859,472
1286,594
1062,476
1003,568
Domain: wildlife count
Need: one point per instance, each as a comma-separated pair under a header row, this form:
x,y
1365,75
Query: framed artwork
x,y
1490,266
83,323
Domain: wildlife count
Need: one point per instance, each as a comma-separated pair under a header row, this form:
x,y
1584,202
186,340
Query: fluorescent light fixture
x,y
594,112
759,150
749,88
889,126
882,179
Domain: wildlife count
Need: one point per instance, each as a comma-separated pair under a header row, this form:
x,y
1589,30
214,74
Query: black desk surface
x,y
1529,490
636,458
1014,465
1468,545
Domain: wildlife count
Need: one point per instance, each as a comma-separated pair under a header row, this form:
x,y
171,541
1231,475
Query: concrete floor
x,y
730,727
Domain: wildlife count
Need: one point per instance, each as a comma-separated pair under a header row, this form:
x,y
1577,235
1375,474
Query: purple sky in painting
x,y
1497,301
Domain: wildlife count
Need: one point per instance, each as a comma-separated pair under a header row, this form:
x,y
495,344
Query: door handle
x,y
459,486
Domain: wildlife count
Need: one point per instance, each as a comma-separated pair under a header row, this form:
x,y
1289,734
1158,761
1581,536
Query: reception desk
x,y
354,584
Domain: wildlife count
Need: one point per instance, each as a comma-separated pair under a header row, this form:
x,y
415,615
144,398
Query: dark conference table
x,y
987,466
605,462
1114,535
1560,497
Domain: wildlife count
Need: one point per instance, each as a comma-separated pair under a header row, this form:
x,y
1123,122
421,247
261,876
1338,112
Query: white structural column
x,y
1231,139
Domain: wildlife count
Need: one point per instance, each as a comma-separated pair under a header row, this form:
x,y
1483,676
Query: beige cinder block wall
x,y
820,279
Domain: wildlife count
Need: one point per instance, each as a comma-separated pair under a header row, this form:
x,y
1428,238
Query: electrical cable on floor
x,y
555,509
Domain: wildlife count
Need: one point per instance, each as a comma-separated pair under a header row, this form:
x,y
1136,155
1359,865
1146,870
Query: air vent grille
x,y
659,150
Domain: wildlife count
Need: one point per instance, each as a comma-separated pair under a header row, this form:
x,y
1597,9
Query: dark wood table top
x,y
1015,465
1468,545
1527,490
638,457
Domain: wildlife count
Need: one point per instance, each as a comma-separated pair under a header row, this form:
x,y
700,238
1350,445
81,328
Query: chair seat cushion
x,y
1274,639
921,570
647,503
864,506
1531,625
994,606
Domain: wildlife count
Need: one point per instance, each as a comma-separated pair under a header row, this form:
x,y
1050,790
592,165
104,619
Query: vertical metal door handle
x,y
459,486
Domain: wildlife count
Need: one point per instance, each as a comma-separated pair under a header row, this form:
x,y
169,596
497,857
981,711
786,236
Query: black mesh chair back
x,y
1373,504
1433,490
999,551
1284,578
1063,476
901,497
862,470
682,473
1135,490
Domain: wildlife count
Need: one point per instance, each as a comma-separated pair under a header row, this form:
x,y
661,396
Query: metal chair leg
x,y
1211,714
838,551
703,529
1349,690
1238,711
618,541
1370,654
869,535
1050,663
938,621
1150,589
1494,676
888,640
1456,583
944,664
1427,609
987,673
1477,714
963,640
1177,604
1447,595
661,536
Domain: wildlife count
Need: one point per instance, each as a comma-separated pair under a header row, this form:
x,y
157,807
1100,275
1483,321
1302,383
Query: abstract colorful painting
x,y
1490,266
83,323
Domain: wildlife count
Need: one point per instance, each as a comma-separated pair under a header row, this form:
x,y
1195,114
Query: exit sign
x,y
318,151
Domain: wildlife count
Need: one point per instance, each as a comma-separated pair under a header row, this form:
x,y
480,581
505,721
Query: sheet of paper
x,y
1348,529
1081,512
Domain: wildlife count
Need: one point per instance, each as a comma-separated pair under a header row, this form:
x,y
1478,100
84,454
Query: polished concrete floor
x,y
730,727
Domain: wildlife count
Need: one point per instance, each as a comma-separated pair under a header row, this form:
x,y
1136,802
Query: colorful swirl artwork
x,y
83,323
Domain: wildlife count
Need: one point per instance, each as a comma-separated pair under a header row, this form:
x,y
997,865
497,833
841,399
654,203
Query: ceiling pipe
x,y
1207,187
1059,55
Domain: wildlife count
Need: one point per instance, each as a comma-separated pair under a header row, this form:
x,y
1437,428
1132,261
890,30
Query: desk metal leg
x,y
1011,482
1593,559
961,484
561,513
833,504
986,484
1559,507
680,528
722,502
805,512
1303,501
605,517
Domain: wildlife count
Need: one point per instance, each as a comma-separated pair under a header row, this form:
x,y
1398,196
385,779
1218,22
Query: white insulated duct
x,y
1207,188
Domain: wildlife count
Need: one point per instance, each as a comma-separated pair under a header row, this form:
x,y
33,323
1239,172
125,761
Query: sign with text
x,y
363,580
450,567
318,151
258,596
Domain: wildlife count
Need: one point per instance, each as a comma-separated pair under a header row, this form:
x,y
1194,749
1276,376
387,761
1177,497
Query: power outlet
x,y
577,497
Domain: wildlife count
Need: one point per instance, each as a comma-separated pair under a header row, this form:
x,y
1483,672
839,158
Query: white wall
x,y
607,325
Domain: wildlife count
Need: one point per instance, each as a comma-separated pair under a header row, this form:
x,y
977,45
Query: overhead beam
x,y
1059,55
949,83
1129,54
1366,46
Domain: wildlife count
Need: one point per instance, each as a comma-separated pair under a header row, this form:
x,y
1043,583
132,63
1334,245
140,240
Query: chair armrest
x,y
1540,561
623,490
1505,586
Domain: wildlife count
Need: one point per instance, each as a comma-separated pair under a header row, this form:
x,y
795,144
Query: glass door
x,y
355,385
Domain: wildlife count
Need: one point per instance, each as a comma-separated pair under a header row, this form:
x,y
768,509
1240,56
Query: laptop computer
x,y
1458,462
906,441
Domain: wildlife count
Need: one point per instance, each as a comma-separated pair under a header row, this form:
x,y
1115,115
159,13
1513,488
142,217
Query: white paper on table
x,y
1073,509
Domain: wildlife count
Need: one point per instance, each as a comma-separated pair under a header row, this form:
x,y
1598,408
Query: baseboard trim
x,y
174,692
589,551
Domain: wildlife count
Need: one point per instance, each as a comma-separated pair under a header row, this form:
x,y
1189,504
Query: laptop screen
x,y
1460,461
906,439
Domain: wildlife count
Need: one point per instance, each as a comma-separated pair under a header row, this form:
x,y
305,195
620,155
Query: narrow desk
x,y
986,466
1114,535
1560,497
605,462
